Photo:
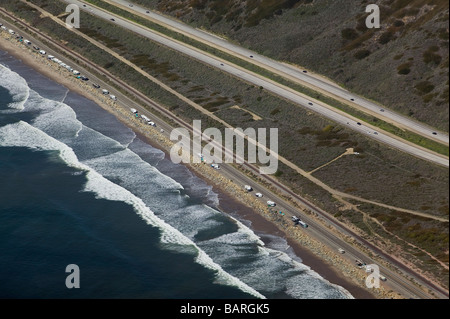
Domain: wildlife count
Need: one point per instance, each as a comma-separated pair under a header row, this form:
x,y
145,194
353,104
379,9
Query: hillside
x,y
403,65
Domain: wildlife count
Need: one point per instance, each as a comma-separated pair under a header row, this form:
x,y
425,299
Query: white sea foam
x,y
16,85
56,118
21,134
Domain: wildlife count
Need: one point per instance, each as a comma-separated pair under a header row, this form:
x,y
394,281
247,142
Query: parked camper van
x,y
271,203
303,224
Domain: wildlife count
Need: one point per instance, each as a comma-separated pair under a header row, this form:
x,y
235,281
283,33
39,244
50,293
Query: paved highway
x,y
291,72
313,105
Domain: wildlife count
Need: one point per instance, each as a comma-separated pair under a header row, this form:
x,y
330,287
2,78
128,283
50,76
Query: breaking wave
x,y
17,87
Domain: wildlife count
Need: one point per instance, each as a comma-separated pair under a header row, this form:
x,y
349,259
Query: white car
x,y
248,188
271,204
215,166
259,195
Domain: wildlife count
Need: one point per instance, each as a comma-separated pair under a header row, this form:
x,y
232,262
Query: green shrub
x,y
386,37
349,34
424,87
404,68
361,54
431,57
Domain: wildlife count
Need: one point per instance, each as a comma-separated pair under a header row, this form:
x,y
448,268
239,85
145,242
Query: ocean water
x,y
78,187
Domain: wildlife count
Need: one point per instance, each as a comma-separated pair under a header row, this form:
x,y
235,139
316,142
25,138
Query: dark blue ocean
x,y
78,187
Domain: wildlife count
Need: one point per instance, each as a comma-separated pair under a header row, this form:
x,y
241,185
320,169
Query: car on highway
x,y
434,133
341,251
271,203
358,123
248,188
112,19
215,166
96,85
310,103
147,11
259,195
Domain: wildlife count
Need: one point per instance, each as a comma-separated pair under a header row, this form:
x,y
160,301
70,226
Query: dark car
x,y
352,99
358,123
310,103
96,85
305,71
112,19
147,11
434,133
35,47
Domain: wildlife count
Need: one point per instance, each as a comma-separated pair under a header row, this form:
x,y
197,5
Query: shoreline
x,y
228,199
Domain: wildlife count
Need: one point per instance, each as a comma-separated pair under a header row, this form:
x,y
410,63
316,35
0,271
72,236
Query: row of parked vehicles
x,y
295,219
56,60
142,116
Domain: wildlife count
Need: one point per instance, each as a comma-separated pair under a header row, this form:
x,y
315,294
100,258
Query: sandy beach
x,y
323,260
